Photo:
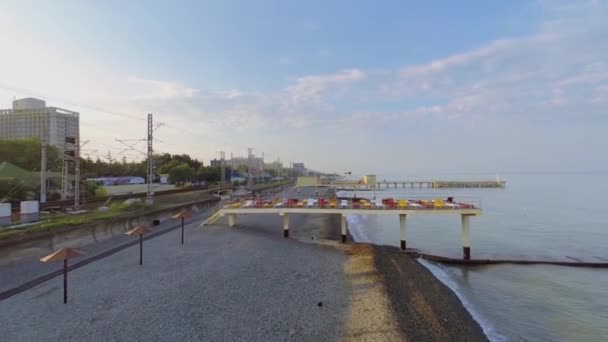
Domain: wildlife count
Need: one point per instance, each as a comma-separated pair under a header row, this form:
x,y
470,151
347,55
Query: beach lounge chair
x,y
438,203
378,203
248,203
343,204
402,203
415,205
235,205
427,204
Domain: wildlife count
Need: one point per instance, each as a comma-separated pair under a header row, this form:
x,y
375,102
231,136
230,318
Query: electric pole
x,y
150,194
250,168
148,153
43,173
231,167
77,174
222,168
64,164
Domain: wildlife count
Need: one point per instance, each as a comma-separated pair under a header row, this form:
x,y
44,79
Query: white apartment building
x,y
31,117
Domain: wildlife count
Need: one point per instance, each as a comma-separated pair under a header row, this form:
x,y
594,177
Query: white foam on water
x,y
356,229
448,281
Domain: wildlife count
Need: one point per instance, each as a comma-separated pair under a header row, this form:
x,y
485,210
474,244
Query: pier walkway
x,y
401,208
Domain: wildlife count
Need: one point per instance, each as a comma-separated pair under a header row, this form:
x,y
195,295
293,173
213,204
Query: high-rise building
x,y
31,118
299,168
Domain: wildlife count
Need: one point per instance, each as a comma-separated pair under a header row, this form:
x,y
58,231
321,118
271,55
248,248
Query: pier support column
x,y
466,239
285,225
403,234
231,220
343,229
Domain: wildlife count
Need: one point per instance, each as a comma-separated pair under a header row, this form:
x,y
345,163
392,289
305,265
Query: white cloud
x,y
558,71
310,89
155,89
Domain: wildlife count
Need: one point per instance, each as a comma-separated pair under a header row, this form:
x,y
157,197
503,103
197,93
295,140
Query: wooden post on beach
x,y
403,226
139,230
466,242
63,255
182,215
285,225
344,227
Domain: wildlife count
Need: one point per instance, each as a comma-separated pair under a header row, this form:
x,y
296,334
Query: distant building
x,y
304,181
217,162
299,168
164,178
255,163
369,180
31,118
275,165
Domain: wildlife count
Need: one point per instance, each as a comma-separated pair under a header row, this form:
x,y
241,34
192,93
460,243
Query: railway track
x,y
68,203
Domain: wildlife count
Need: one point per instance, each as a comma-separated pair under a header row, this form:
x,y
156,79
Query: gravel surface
x,y
223,284
244,283
19,268
425,308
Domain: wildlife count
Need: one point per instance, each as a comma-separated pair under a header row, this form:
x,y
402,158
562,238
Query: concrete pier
x,y
344,228
466,239
403,231
463,209
231,220
437,184
285,225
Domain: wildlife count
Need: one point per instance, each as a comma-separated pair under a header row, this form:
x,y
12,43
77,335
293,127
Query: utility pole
x,y
250,168
43,173
222,168
64,164
231,167
149,154
77,174
72,155
150,194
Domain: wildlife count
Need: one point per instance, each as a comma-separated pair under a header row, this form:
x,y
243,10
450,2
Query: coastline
x,y
250,275
423,307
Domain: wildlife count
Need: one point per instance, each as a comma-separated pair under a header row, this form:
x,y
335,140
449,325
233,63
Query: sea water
x,y
535,215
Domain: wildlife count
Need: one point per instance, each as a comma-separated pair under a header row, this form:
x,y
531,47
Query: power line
x,y
94,108
103,110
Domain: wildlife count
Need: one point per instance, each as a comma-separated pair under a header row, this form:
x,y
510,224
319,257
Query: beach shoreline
x,y
360,292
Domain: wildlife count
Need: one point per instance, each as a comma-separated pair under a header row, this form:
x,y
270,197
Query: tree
x,y
181,174
26,153
209,174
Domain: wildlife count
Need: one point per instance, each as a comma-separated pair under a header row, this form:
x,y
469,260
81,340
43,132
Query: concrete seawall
x,y
93,232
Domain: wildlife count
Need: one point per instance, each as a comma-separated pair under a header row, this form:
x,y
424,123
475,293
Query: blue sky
x,y
385,87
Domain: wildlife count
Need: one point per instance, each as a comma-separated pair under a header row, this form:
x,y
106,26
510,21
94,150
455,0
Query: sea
x,y
534,216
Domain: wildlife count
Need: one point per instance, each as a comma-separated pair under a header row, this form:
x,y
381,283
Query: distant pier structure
x,y
370,182
442,184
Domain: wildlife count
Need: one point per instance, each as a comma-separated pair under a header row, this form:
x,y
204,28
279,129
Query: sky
x,y
397,87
